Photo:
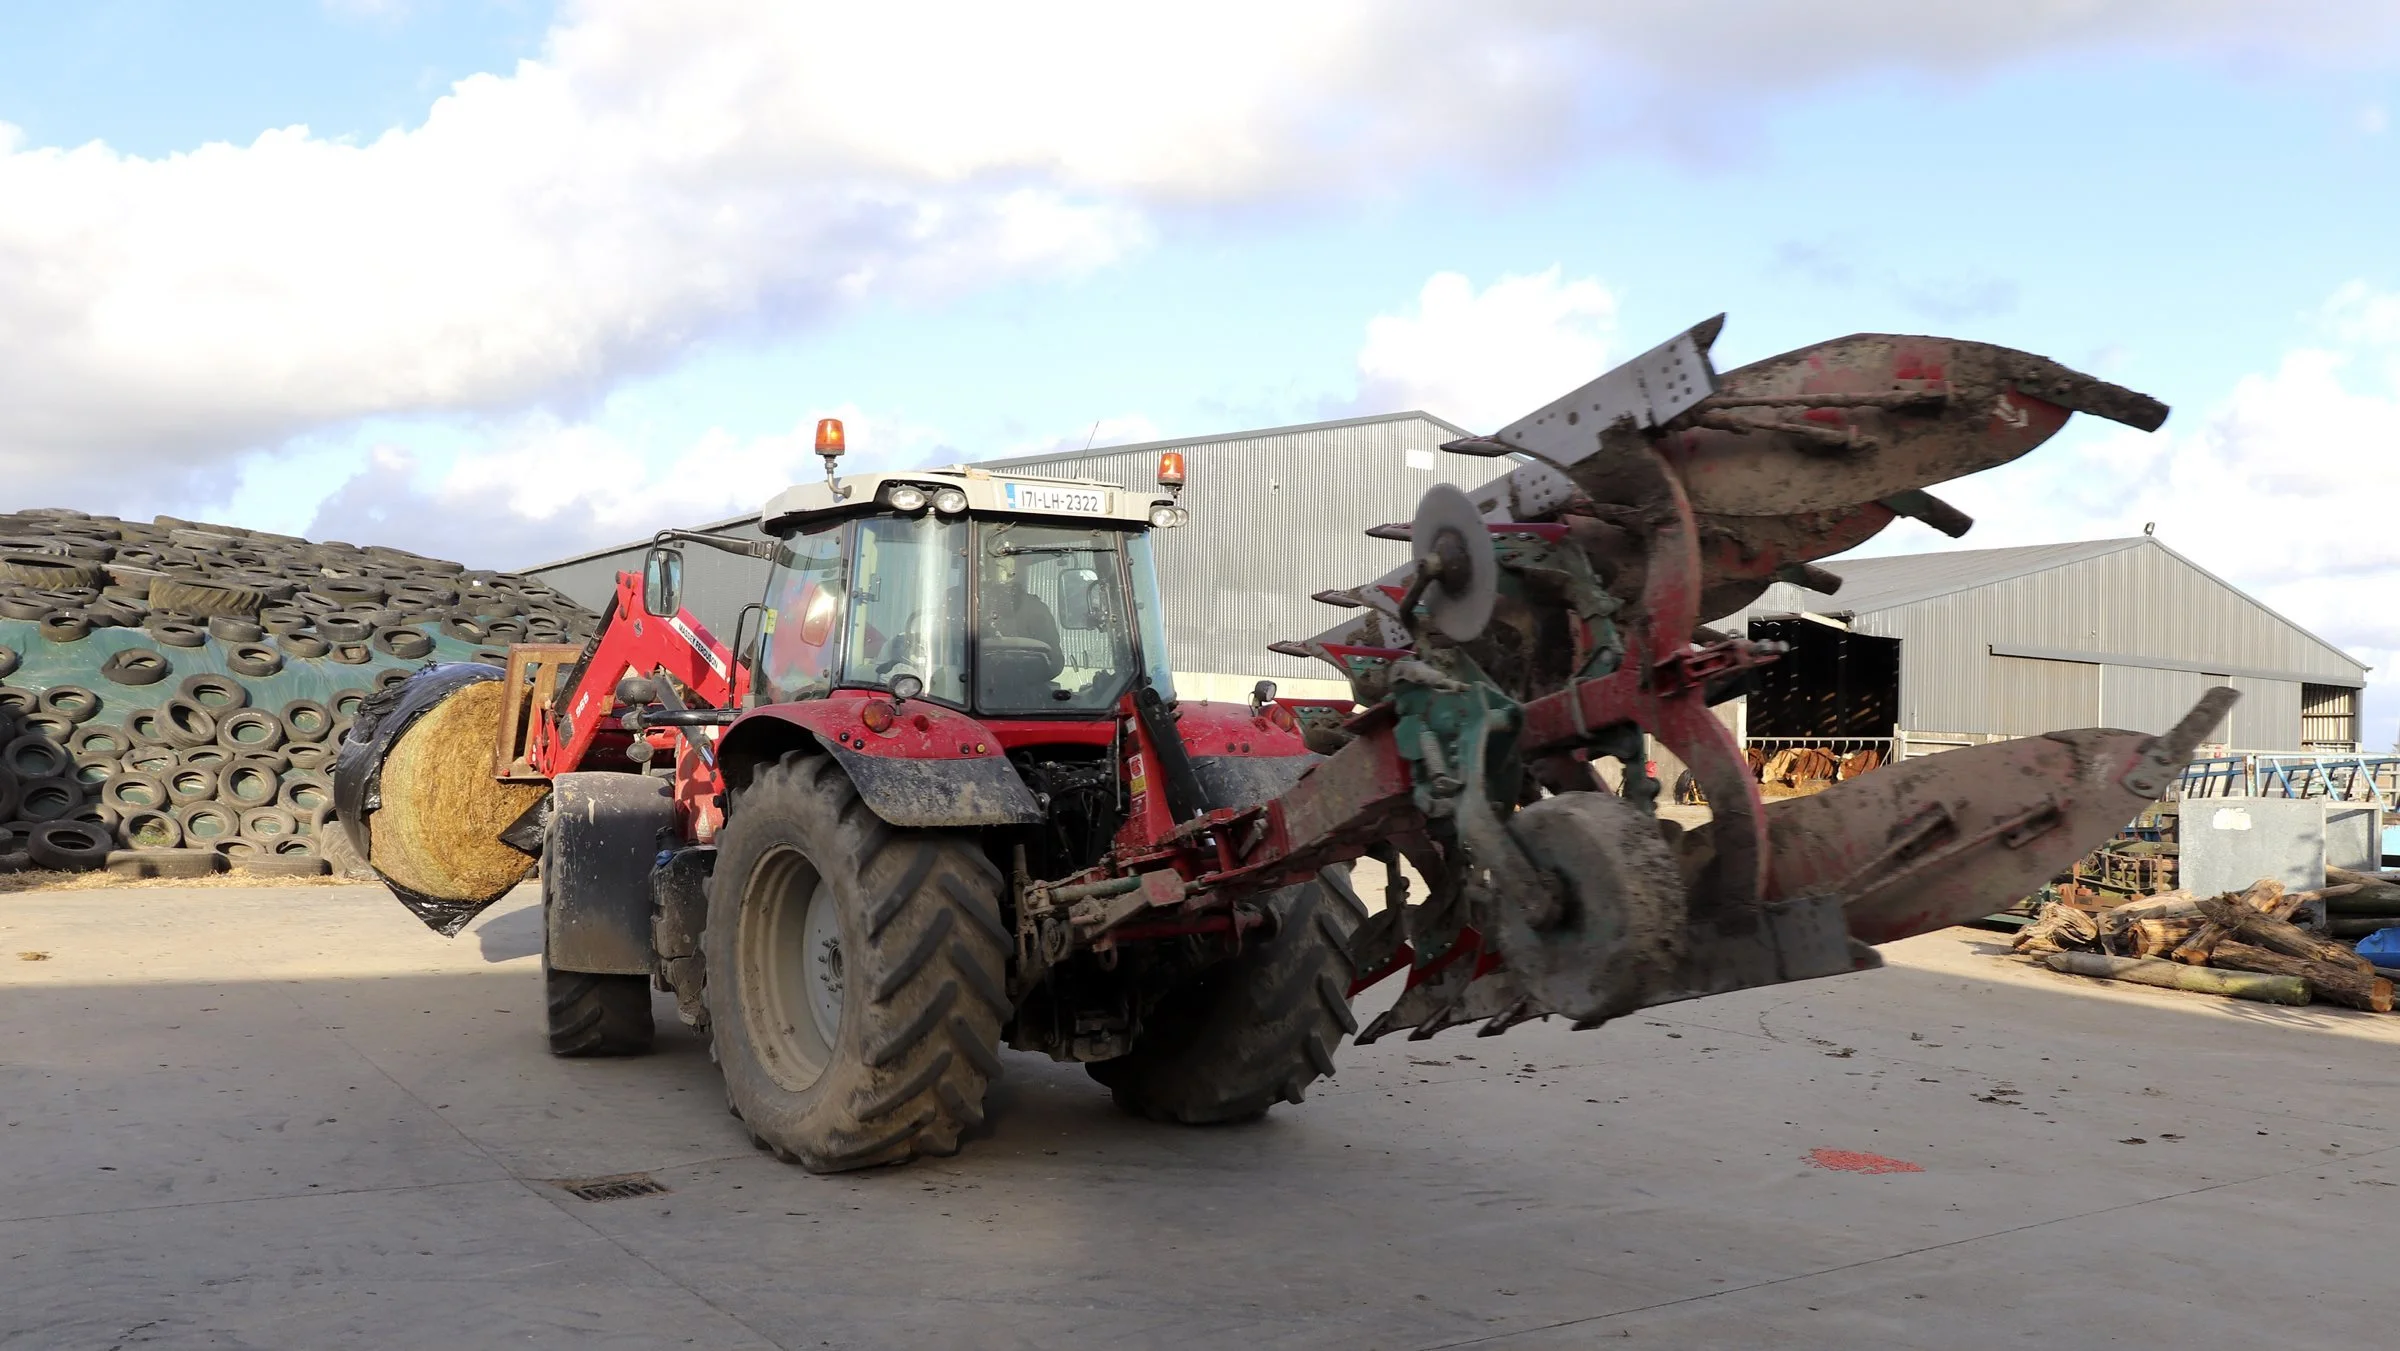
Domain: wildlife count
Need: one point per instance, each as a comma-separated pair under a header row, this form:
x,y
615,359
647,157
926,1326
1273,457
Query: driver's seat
x,y
1014,672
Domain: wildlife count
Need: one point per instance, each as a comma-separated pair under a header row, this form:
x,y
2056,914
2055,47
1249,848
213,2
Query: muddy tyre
x,y
585,1013
856,974
591,1015
1248,1033
588,1013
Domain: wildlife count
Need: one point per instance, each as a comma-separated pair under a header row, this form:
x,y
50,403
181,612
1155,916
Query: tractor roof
x,y
1003,494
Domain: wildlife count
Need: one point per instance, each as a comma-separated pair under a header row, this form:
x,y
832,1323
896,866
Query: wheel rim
x,y
792,979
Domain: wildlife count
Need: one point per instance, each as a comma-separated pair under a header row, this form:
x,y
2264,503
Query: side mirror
x,y
662,582
1081,602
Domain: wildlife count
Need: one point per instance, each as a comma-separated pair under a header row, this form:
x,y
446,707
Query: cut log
x,y
2359,989
2164,903
2275,935
2194,951
2359,926
2273,989
2221,913
2058,928
2368,884
2262,896
2294,901
2308,915
2363,900
2117,923
2306,909
2157,937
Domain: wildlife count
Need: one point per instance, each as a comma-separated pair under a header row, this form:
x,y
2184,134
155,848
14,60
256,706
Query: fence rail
x,y
2342,778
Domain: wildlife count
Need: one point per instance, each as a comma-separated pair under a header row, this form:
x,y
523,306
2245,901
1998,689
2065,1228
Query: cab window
x,y
799,634
1051,634
908,605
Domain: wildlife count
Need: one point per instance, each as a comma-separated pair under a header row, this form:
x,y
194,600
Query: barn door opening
x,y
1824,711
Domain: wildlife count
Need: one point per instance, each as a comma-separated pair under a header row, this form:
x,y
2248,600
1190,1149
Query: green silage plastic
x,y
45,664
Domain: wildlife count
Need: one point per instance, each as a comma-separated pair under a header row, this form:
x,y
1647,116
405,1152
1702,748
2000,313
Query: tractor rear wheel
x,y
1254,1030
856,974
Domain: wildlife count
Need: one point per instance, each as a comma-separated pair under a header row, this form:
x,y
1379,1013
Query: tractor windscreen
x,y
1052,628
908,612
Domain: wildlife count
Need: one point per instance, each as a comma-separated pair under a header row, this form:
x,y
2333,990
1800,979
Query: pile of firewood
x,y
1801,770
2371,902
2264,943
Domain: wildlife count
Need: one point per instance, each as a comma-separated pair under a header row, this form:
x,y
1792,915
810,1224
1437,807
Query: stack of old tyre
x,y
172,693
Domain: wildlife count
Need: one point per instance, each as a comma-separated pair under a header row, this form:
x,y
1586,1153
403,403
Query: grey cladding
x,y
2116,633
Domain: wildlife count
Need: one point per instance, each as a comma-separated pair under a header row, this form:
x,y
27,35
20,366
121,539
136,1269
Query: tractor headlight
x,y
949,501
1166,515
905,497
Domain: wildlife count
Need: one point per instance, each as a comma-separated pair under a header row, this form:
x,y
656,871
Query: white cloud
x,y
662,175
545,489
1484,358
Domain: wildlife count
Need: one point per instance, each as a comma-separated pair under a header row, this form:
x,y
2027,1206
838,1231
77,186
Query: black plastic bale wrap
x,y
358,780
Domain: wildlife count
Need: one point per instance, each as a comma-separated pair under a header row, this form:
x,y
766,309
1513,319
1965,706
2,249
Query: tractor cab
x,y
1002,596
975,648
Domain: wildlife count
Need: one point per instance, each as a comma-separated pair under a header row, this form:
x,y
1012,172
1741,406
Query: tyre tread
x,y
931,978
1253,1031
596,1015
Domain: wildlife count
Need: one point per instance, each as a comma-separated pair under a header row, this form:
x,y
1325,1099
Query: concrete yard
x,y
295,1118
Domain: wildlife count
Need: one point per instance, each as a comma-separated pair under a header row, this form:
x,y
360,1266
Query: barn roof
x,y
1892,581
1870,584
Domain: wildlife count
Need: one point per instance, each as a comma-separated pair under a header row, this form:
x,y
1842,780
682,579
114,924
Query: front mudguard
x,y
950,773
602,841
1249,780
939,792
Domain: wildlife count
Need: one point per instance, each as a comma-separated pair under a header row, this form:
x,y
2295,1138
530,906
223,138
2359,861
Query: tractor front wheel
x,y
856,974
1255,1029
591,1013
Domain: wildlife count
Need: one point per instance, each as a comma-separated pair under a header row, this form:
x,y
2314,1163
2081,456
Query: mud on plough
x,y
1552,618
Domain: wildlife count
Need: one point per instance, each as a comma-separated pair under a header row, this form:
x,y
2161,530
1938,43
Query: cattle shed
x,y
1952,648
1276,516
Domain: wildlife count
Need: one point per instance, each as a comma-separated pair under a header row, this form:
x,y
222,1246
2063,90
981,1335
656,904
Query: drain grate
x,y
615,1188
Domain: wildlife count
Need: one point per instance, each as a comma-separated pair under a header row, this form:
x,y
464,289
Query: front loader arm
x,y
630,642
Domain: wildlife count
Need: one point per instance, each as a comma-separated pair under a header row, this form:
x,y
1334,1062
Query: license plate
x,y
1031,497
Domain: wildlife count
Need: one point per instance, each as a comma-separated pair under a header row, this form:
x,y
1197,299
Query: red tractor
x,y
959,686
946,798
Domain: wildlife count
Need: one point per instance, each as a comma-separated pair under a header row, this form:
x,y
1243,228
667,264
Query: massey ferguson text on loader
x,y
945,796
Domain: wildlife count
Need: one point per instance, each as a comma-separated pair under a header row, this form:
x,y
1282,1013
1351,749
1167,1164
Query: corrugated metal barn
x,y
1277,515
2011,642
715,585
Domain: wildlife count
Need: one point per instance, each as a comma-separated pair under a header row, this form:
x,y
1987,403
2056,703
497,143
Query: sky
x,y
499,280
